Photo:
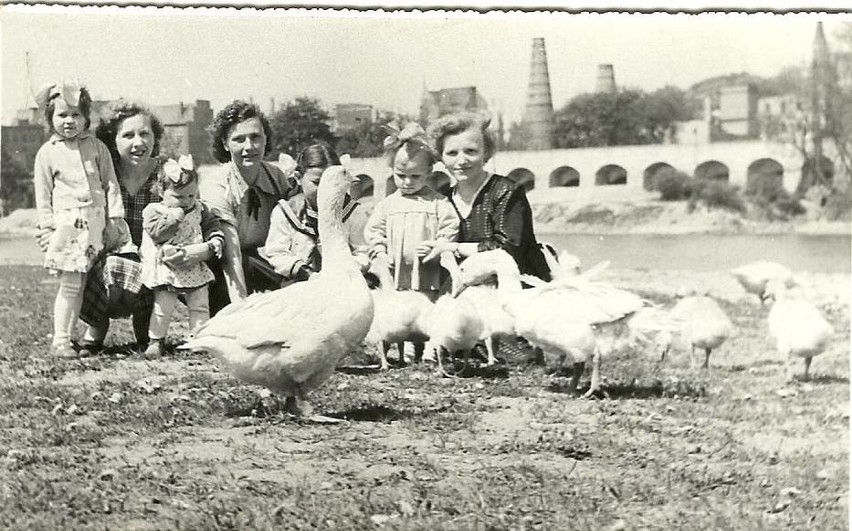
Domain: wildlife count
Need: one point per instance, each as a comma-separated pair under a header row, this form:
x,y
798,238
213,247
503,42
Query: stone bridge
x,y
620,172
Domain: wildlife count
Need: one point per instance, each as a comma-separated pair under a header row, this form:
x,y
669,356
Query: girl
x,y
414,214
291,246
76,191
171,225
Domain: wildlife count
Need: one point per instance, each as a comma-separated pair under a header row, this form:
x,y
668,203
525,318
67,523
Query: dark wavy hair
x,y
316,156
236,112
114,116
455,123
85,106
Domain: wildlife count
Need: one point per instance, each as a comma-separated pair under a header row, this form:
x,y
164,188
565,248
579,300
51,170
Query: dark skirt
x,y
114,290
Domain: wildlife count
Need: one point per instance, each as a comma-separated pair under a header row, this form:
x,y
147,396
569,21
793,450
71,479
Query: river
x,y
695,252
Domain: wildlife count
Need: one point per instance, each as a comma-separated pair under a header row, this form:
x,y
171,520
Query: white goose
x,y
557,317
290,340
798,327
755,276
398,316
705,325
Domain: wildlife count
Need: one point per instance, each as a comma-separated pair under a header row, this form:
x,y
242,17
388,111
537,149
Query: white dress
x,y
156,273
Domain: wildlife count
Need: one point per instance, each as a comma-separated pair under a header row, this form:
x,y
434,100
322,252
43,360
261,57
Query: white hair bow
x,y
174,170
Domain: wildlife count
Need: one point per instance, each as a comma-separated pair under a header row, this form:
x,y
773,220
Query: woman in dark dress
x,y
493,210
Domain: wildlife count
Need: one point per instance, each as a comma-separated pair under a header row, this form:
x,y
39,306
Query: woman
x,y
493,210
114,287
242,193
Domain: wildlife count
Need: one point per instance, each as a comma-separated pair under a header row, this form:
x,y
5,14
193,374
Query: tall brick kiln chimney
x,y
606,79
538,114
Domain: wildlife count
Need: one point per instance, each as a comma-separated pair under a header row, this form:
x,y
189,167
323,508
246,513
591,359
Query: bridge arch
x,y
764,175
649,177
523,177
390,186
564,176
712,170
611,174
363,187
809,176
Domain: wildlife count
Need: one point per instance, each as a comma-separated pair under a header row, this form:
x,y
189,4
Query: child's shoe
x,y
64,351
155,349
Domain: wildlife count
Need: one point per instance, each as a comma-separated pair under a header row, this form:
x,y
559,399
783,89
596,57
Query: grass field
x,y
118,442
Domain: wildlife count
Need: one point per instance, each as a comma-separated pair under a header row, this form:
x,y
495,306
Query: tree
x,y
627,117
362,141
298,124
16,190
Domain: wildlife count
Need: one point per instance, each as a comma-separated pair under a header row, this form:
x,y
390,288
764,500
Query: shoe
x,y
90,349
64,351
155,349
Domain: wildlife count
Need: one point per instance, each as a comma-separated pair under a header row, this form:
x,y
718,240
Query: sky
x,y
167,55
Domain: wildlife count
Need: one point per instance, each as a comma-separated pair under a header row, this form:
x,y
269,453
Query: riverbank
x,y
554,214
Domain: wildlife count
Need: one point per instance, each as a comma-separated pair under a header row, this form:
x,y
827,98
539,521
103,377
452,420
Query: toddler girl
x,y
412,215
179,220
76,192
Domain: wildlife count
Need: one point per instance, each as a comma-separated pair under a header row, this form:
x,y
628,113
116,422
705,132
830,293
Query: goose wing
x,y
590,302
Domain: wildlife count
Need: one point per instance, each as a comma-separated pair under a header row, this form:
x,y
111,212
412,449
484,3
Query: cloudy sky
x,y
162,56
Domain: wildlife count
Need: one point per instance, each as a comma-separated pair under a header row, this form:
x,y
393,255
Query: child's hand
x,y
43,238
432,249
173,255
177,213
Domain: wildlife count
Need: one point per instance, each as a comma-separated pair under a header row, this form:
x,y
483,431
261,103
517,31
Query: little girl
x,y
413,214
76,192
292,246
179,220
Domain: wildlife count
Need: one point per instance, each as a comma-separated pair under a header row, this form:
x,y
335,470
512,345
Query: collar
x,y
56,137
305,219
264,178
458,199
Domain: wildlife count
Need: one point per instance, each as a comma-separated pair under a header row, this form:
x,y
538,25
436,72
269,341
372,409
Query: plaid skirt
x,y
114,290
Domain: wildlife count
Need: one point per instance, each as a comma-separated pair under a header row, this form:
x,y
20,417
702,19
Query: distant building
x,y
186,129
437,103
349,116
738,111
21,142
537,121
605,82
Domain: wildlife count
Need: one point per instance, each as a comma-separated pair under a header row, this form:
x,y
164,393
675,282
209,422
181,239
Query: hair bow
x,y
69,89
397,138
287,165
174,170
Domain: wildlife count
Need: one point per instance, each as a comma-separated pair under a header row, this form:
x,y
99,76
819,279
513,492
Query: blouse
x,y
500,217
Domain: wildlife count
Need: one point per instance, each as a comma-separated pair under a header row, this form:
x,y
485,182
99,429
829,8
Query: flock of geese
x,y
290,340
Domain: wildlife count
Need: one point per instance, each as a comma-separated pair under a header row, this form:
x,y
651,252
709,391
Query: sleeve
x,y
279,245
448,221
232,263
375,230
43,184
160,222
210,227
212,189
510,213
357,242
115,205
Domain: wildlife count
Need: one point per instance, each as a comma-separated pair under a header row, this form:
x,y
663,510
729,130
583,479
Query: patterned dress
x,y
173,234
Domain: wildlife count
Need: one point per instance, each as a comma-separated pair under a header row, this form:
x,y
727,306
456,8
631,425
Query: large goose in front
x,y
290,340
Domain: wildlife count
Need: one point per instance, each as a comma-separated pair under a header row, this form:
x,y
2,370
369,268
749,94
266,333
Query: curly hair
x,y
236,112
455,123
85,106
316,156
114,116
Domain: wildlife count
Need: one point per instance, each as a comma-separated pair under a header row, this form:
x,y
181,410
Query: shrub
x,y
768,194
673,185
716,194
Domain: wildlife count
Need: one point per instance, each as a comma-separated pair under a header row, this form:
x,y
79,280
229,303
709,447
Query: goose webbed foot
x,y
302,409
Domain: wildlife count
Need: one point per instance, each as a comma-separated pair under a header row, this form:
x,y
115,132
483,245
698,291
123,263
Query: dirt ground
x,y
119,442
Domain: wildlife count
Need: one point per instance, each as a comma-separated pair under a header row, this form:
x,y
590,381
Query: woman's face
x,y
246,142
464,155
134,140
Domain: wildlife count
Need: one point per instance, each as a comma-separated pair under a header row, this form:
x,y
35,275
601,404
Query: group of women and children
x,y
129,235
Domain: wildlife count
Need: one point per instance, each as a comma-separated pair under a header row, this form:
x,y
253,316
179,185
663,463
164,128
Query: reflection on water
x,y
705,252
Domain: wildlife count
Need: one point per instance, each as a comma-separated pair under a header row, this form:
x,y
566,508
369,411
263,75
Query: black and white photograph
x,y
424,267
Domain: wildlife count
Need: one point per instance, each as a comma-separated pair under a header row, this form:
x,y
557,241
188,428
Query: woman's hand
x,y
43,238
188,255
